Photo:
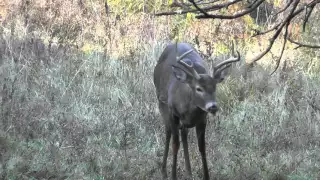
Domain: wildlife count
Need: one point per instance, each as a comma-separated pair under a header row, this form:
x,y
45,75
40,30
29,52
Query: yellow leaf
x,y
189,17
277,3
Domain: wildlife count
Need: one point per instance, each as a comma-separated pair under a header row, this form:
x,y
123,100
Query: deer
x,y
186,94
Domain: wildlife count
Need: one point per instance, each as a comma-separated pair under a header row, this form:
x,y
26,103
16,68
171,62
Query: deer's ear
x,y
180,74
219,77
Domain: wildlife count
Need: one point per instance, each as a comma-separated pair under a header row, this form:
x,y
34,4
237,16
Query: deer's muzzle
x,y
212,107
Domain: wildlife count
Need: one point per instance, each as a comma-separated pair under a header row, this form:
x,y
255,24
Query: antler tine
x,y
185,65
189,68
221,69
230,60
184,54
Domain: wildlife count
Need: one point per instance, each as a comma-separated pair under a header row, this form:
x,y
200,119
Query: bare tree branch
x,y
206,14
200,3
271,42
175,3
283,9
303,45
198,8
293,13
312,3
285,36
308,13
237,15
251,4
258,33
209,8
276,26
275,36
297,7
204,3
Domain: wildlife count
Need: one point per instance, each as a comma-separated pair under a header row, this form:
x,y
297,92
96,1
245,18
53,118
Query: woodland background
x,y
78,100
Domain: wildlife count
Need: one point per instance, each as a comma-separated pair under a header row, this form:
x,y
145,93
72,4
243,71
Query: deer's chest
x,y
192,118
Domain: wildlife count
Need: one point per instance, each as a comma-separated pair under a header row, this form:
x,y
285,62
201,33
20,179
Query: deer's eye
x,y
199,89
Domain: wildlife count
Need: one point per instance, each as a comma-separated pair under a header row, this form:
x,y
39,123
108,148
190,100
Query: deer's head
x,y
203,86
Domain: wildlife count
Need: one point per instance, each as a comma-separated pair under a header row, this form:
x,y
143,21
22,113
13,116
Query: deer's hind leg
x,y
166,118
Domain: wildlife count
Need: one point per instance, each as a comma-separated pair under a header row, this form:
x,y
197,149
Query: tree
x,y
290,13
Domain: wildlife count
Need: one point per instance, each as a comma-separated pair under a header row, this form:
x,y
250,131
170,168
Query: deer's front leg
x,y
184,138
175,145
201,128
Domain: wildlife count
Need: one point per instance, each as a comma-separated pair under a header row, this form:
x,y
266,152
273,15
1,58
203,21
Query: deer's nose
x,y
212,107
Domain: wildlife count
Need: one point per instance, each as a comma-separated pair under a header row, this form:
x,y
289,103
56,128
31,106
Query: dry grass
x,y
69,114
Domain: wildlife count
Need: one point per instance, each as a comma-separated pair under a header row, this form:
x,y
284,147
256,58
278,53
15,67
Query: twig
x,y
250,5
285,36
303,45
210,8
308,13
276,29
291,15
237,15
204,3
283,9
312,3
182,5
288,20
199,2
198,8
258,33
271,42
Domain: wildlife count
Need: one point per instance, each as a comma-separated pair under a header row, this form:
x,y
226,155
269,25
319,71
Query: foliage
x,y
125,7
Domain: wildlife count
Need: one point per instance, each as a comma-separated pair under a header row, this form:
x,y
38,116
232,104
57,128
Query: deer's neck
x,y
181,97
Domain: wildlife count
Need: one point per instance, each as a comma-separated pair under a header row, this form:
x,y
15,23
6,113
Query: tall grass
x,y
89,116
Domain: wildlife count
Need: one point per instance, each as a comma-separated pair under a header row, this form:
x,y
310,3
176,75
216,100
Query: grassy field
x,y
69,113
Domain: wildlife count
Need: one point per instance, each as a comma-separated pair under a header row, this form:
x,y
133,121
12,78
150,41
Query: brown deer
x,y
186,93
